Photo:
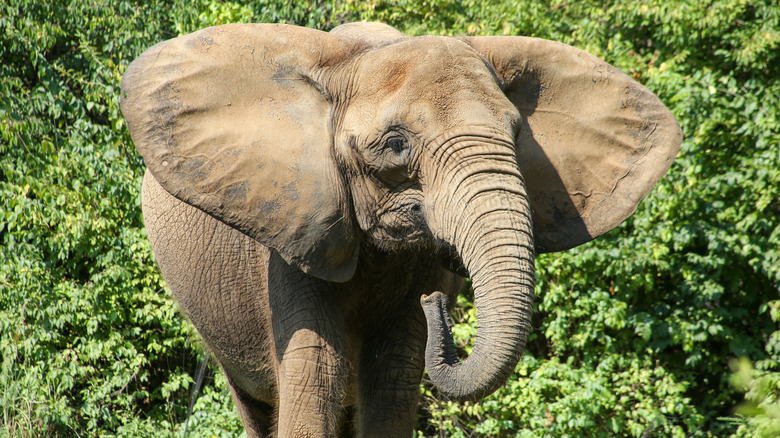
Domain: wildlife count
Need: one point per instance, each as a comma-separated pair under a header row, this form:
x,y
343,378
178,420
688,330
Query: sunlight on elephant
x,y
315,199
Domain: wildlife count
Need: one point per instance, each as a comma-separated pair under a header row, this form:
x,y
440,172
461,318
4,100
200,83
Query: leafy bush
x,y
90,342
636,331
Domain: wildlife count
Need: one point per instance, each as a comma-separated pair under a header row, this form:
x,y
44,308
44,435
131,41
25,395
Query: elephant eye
x,y
396,144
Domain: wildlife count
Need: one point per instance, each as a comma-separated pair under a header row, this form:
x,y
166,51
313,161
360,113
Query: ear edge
x,y
374,34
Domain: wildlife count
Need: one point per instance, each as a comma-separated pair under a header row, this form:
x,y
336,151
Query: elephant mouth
x,y
401,227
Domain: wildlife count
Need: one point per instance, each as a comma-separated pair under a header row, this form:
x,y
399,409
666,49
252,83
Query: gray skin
x,y
290,343
309,347
425,143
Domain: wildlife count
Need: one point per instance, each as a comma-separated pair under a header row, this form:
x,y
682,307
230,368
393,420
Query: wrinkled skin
x,y
421,162
295,343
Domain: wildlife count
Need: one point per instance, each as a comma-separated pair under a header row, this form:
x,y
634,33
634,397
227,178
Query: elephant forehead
x,y
433,79
443,62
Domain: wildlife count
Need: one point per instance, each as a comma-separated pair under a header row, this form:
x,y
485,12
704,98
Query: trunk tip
x,y
434,298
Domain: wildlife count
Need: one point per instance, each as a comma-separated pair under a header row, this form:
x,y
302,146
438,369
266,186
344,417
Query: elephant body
x,y
314,201
371,328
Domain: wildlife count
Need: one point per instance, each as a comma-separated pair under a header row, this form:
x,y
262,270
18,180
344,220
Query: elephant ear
x,y
374,35
593,141
232,120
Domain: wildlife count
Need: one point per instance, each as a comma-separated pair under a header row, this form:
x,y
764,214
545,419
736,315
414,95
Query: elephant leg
x,y
310,348
255,415
390,372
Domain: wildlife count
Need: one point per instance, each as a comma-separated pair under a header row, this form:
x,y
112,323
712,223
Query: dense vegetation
x,y
667,326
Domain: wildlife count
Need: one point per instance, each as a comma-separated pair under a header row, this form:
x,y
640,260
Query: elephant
x,y
315,201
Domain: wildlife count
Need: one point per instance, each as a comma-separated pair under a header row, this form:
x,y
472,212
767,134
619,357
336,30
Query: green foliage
x,y
761,410
635,331
90,342
316,14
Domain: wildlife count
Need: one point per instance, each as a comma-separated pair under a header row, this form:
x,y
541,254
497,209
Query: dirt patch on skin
x,y
396,77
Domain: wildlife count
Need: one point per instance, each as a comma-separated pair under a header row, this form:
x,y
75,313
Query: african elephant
x,y
315,199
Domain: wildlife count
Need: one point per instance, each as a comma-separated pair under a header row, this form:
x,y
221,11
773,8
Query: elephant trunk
x,y
492,232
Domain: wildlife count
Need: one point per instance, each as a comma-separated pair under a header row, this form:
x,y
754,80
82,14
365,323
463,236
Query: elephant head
x,y
483,151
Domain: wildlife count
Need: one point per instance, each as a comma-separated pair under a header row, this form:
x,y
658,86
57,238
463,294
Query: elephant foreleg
x,y
310,348
255,415
390,373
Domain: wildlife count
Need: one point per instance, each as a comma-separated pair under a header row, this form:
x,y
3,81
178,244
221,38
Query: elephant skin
x,y
315,199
